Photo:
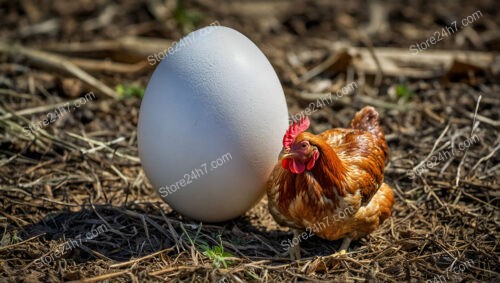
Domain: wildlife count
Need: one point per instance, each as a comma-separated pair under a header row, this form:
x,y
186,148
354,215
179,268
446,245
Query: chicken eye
x,y
304,145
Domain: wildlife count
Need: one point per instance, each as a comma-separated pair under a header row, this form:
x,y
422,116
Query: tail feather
x,y
367,119
386,201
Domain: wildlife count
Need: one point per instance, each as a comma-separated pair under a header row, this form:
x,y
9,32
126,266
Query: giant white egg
x,y
211,125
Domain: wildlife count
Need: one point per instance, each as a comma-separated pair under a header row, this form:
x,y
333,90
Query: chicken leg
x,y
295,249
345,245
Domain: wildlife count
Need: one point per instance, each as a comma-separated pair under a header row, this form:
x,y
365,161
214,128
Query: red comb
x,y
294,130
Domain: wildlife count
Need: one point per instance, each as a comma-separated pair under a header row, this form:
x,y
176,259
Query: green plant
x,y
186,19
125,91
9,238
216,254
252,275
404,92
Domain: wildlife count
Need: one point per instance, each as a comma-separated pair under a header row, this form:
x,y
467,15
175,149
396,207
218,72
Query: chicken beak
x,y
284,155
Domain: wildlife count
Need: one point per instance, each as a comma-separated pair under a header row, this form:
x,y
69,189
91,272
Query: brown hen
x,y
332,183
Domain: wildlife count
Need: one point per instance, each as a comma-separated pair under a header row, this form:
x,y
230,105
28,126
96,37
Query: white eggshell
x,y
215,95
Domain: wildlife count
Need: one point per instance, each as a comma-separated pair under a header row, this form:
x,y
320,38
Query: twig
x,y
433,147
20,243
57,62
175,268
383,104
34,110
341,57
369,44
101,277
130,262
92,65
459,168
132,158
484,158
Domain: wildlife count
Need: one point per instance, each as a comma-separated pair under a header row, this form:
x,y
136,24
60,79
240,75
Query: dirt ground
x,y
75,204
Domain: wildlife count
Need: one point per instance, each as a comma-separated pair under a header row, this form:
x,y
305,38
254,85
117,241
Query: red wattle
x,y
297,167
285,163
313,159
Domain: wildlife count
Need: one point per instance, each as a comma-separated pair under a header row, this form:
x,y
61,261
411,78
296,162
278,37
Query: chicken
x,y
336,176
